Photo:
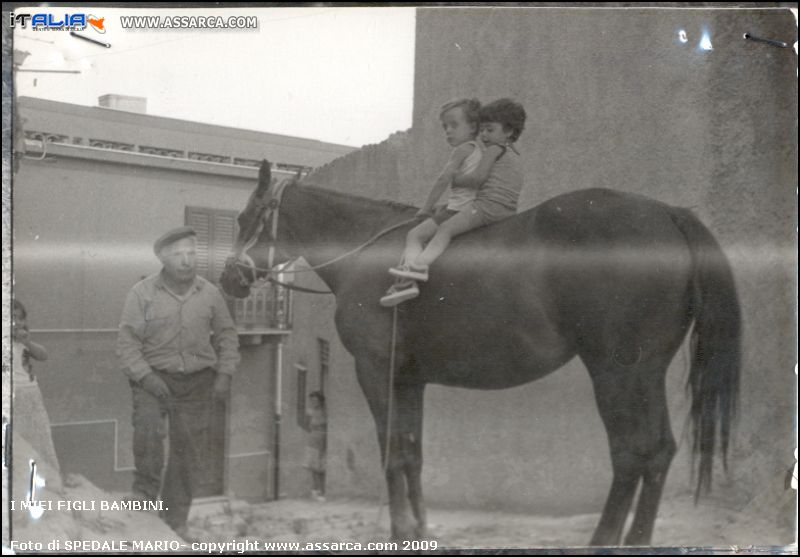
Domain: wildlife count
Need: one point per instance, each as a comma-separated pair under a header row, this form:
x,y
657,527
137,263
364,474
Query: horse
x,y
616,279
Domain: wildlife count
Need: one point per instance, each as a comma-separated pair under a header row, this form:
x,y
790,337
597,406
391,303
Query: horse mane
x,y
363,200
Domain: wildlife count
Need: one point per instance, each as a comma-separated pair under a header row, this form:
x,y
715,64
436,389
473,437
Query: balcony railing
x,y
176,153
268,307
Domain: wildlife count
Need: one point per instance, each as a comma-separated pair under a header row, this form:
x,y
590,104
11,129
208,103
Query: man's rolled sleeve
x,y
226,337
129,342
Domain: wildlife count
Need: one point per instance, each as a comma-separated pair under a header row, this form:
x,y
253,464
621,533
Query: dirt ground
x,y
719,521
712,523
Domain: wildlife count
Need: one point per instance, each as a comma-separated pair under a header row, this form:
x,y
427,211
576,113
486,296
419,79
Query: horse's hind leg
x,y
632,404
659,458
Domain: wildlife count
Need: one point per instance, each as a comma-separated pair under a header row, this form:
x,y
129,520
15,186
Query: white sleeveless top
x,y
21,376
459,198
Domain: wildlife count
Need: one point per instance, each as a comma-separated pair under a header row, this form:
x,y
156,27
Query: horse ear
x,y
264,178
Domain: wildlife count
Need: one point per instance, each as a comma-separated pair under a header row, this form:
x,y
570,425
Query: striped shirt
x,y
161,330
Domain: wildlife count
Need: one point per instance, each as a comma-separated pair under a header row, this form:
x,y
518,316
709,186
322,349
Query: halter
x,y
272,210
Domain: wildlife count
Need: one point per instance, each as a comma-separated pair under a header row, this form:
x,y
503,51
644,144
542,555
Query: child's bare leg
x,y
318,482
416,239
455,225
314,489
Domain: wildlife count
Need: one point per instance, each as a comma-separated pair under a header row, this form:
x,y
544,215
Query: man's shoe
x,y
411,272
399,293
183,533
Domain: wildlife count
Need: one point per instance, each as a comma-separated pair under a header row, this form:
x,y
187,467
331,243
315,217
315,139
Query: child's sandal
x,y
400,292
410,272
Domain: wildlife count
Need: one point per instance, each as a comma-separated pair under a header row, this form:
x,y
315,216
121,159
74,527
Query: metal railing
x,y
176,153
267,307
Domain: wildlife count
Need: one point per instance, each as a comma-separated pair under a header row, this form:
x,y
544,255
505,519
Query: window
x,y
324,363
302,372
216,232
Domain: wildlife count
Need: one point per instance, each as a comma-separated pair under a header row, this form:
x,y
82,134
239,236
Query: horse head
x,y
256,250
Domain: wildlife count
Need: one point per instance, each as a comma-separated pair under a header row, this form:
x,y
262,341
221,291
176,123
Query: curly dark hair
x,y
19,306
507,112
319,396
471,108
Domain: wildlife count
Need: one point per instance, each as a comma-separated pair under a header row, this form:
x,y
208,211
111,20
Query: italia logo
x,y
97,23
66,22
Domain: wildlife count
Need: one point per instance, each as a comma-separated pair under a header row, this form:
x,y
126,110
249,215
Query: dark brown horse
x,y
614,278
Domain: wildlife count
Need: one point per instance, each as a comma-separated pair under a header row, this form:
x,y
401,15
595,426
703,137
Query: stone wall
x,y
614,99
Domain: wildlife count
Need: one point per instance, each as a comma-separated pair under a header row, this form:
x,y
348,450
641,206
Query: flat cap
x,y
173,236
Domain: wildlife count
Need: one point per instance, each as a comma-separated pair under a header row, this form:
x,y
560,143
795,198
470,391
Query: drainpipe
x,y
278,414
279,314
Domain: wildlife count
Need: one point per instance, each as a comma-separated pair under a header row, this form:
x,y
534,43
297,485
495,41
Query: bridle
x,y
270,209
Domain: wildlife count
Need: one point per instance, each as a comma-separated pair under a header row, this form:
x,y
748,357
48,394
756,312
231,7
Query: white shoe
x,y
399,293
410,272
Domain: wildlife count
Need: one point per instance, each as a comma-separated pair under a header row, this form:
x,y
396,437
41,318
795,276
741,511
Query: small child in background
x,y
23,349
317,447
30,419
497,180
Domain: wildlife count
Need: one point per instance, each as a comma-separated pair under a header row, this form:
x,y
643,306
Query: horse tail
x,y
715,345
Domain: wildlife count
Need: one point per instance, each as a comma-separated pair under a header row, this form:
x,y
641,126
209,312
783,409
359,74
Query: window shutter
x,y
200,220
224,237
216,231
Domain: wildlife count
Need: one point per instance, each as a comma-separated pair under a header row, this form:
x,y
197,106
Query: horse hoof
x,y
422,533
637,539
403,535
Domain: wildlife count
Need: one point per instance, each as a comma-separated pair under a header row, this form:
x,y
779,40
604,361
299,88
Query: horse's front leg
x,y
411,401
374,381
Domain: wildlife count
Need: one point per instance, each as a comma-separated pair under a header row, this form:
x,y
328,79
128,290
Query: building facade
x,y
95,187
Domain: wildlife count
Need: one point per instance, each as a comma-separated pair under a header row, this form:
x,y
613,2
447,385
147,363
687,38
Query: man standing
x,y
176,368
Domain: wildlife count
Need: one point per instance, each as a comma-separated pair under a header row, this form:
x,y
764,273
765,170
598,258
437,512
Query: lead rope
x,y
389,415
369,242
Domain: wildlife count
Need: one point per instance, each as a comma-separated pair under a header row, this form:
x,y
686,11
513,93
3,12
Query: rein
x,y
290,286
355,250
273,210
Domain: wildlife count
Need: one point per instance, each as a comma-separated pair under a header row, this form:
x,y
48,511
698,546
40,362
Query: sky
x,y
341,75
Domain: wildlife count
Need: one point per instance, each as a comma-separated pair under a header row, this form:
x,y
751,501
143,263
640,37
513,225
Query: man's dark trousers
x,y
190,409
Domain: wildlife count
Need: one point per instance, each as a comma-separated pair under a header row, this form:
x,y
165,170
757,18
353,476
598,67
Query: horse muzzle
x,y
238,275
